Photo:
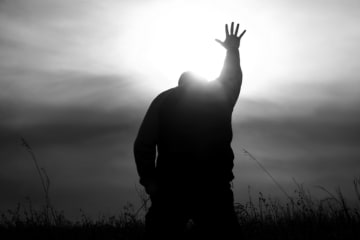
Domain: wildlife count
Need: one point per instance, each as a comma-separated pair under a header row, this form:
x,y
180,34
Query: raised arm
x,y
231,74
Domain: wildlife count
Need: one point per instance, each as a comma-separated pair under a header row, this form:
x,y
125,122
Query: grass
x,y
300,217
27,223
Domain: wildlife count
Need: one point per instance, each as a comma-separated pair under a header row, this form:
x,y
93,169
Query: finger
x,y
226,30
237,29
232,28
242,33
221,42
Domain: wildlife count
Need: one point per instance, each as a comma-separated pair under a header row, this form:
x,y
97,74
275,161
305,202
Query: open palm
x,y
232,41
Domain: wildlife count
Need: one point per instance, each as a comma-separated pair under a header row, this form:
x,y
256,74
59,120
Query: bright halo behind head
x,y
177,40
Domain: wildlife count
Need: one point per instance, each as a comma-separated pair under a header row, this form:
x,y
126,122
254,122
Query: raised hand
x,y
232,41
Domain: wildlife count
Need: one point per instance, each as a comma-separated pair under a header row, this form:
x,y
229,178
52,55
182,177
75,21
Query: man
x,y
183,152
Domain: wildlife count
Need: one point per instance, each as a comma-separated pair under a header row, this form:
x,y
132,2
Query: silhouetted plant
x,y
50,212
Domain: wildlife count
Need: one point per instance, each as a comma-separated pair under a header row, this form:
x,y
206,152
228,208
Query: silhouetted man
x,y
183,152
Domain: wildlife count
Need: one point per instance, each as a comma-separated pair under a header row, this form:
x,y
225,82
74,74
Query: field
x,y
300,217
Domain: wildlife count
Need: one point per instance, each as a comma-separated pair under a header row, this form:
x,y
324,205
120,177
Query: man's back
x,y
195,135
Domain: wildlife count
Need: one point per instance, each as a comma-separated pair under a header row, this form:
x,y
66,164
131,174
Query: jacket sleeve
x,y
145,144
231,75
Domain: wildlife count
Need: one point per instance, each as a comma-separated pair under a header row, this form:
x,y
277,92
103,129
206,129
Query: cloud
x,y
63,35
86,152
81,127
319,147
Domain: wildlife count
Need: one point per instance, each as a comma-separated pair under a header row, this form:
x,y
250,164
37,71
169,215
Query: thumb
x,y
242,34
220,42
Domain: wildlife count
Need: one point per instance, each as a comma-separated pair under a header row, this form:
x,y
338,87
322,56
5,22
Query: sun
x,y
154,43
175,39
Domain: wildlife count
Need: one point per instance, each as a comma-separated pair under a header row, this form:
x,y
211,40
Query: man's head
x,y
188,79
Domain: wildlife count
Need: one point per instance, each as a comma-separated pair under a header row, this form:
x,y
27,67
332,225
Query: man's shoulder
x,y
163,95
167,92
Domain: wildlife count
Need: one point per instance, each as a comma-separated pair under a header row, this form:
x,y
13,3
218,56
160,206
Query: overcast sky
x,y
77,77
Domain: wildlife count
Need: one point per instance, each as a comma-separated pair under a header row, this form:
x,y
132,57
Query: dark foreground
x,y
301,217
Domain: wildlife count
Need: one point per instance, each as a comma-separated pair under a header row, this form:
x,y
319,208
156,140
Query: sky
x,y
77,77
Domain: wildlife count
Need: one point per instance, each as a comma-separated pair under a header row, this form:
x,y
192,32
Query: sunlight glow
x,y
177,36
181,38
